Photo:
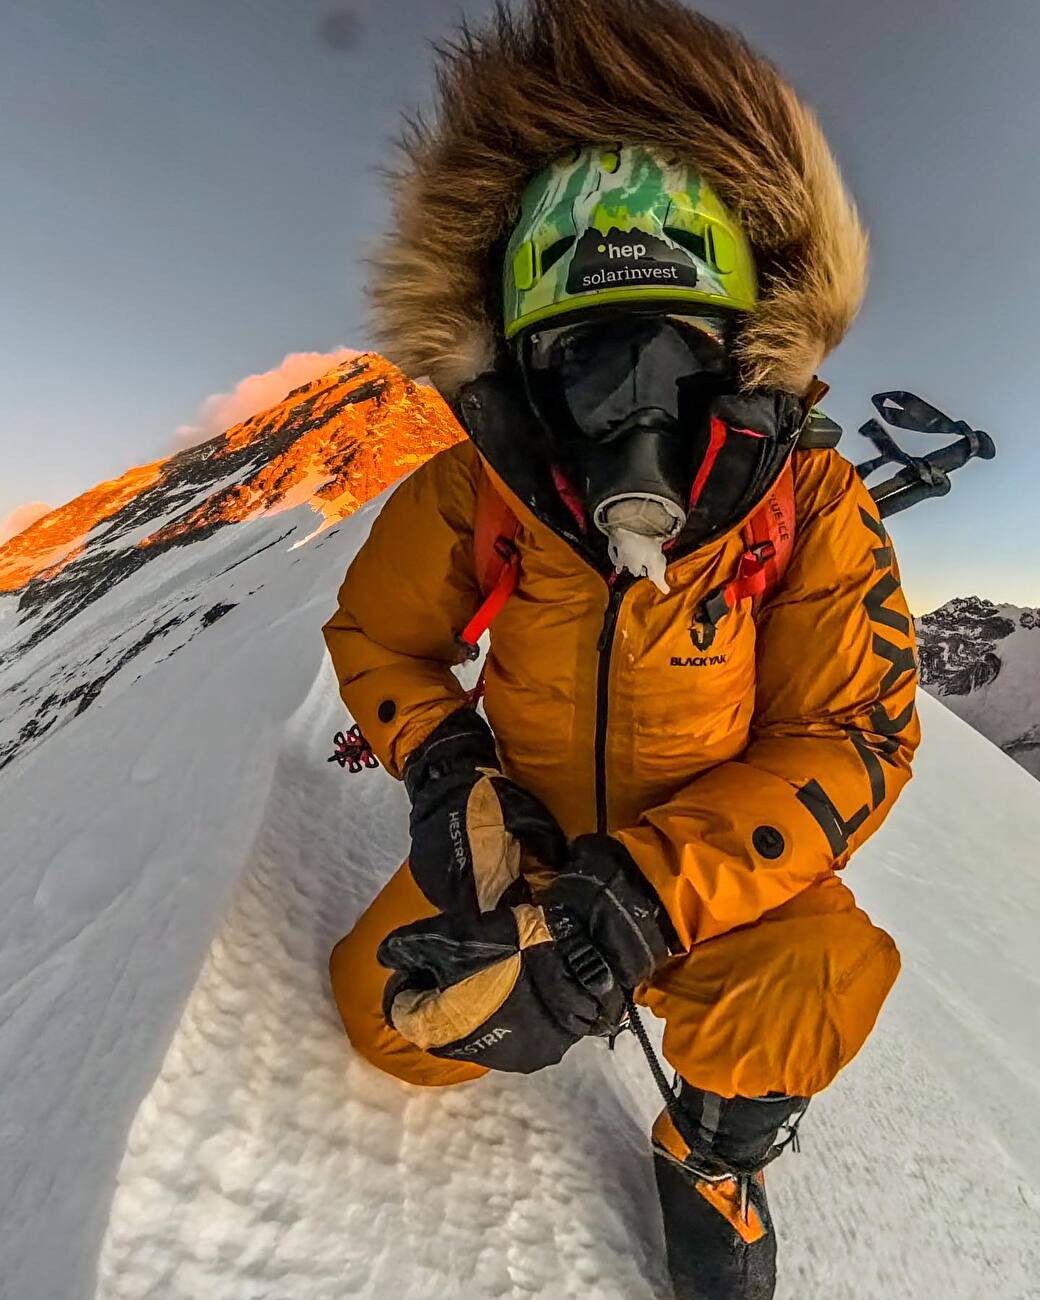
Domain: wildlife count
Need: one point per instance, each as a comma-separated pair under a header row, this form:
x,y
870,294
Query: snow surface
x,y
176,864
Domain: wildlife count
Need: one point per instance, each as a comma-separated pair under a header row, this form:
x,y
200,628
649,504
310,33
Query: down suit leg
x,y
779,1006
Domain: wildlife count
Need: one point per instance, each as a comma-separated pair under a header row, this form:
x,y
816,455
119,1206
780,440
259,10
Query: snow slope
x,y
176,863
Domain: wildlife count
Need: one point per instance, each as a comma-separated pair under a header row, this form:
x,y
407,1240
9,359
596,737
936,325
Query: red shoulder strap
x,y
494,535
768,542
772,528
496,562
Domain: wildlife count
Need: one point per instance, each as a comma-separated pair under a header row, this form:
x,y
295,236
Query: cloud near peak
x,y
21,518
255,393
217,413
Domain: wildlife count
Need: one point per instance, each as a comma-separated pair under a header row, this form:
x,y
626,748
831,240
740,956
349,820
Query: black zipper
x,y
604,646
487,412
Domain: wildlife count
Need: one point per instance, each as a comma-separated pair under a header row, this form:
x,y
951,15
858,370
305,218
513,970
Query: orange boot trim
x,y
726,1197
724,1194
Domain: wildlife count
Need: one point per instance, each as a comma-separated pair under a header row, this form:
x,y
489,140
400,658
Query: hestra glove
x,y
470,825
497,989
601,891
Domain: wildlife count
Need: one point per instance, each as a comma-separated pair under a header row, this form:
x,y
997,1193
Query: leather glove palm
x,y
514,988
470,825
496,989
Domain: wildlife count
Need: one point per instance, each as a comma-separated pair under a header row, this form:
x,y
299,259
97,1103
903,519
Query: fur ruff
x,y
517,93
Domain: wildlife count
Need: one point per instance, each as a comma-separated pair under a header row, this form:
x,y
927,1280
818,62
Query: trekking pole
x,y
920,476
928,476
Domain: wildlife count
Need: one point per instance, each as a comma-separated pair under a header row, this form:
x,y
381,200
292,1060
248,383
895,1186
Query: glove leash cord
x,y
681,1118
678,1115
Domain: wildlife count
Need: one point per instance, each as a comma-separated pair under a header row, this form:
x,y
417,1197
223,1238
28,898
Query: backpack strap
x,y
773,526
768,539
496,562
769,532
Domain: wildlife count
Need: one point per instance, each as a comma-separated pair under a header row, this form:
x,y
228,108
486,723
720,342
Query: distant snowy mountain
x,y
183,1116
983,661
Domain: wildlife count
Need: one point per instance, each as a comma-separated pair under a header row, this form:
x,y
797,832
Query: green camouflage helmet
x,y
613,224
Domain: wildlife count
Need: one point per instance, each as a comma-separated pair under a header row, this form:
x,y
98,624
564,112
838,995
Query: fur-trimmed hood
x,y
514,95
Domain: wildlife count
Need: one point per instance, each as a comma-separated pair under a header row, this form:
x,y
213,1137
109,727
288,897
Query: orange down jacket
x,y
742,776
736,776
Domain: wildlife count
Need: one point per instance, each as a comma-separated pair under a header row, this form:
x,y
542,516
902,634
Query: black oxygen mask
x,y
621,396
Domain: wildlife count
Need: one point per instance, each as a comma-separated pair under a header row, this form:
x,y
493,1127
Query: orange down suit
x,y
740,778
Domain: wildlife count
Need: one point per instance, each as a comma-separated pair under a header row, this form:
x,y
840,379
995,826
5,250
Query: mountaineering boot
x,y
718,1231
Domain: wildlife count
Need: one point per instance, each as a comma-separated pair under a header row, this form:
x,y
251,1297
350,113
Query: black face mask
x,y
641,411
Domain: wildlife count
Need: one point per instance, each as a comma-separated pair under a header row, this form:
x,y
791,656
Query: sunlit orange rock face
x,y
58,537
334,444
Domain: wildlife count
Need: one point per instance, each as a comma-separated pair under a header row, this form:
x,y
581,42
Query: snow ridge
x,y
178,861
267,1161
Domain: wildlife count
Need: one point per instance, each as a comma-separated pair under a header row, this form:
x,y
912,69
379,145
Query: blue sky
x,y
189,188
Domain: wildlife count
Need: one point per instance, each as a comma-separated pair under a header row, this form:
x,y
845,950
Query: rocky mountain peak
x,y
330,445
983,660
